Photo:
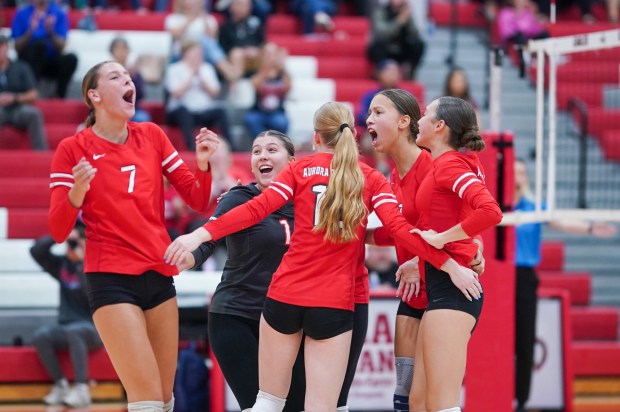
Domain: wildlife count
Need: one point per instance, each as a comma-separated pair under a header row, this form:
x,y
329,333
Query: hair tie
x,y
344,126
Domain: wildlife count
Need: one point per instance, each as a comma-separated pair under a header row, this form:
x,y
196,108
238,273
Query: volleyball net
x,y
576,173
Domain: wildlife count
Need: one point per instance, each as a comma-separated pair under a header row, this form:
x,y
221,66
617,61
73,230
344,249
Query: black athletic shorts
x,y
147,290
318,323
443,294
406,310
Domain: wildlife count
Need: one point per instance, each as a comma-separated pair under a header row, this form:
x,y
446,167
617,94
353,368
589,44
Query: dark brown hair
x,y
286,141
407,105
460,117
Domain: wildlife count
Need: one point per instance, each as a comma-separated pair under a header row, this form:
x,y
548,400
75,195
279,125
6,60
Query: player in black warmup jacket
x,y
253,256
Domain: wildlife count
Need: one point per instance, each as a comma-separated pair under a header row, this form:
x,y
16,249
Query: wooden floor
x,y
96,407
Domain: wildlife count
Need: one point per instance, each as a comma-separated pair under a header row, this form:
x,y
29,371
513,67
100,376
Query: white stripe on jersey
x,y
174,166
61,184
463,176
466,185
382,195
287,188
380,202
279,191
61,175
169,159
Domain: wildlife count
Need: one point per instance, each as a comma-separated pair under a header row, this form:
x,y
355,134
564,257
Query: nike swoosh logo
x,y
95,156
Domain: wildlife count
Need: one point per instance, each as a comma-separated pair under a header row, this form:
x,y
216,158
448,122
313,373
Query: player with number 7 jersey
x,y
124,208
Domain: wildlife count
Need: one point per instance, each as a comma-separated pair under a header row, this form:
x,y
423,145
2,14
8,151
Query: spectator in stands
x,y
119,49
382,266
389,76
193,90
242,36
260,8
315,13
520,22
613,9
190,21
18,93
75,330
272,84
457,85
395,36
528,254
158,5
40,33
585,7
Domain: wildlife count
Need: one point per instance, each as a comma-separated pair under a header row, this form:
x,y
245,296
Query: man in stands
x,y
17,96
40,32
75,330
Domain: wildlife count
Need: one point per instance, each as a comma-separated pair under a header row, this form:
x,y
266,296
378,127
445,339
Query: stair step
x,y
597,404
552,256
579,284
594,323
597,386
596,358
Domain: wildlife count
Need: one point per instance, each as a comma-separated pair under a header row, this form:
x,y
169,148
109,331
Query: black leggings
x,y
360,327
234,342
525,333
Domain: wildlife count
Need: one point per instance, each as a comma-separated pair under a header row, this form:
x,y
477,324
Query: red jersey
x,y
124,208
315,272
405,190
454,192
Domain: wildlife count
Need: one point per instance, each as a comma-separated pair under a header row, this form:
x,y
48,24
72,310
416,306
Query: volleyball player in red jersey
x,y
393,126
313,289
113,172
453,205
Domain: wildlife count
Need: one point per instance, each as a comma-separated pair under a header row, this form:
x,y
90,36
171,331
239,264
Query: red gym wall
x,y
489,379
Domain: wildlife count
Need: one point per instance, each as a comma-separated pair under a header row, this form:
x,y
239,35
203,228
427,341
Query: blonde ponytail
x,y
342,208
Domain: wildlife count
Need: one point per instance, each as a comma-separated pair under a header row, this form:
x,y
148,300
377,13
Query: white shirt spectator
x,y
195,99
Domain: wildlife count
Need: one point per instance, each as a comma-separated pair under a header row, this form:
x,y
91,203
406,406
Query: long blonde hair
x,y
342,208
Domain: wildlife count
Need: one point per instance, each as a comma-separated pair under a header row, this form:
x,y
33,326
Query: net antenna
x,y
559,49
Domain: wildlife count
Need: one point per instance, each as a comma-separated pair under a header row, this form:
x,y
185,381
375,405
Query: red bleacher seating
x,y
565,28
25,192
21,364
278,24
596,358
353,90
578,285
338,68
612,55
300,46
28,223
121,20
610,144
12,138
552,256
468,13
68,111
601,120
594,323
589,93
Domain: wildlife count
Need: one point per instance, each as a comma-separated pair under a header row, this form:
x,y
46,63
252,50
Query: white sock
x,y
247,410
169,406
456,409
266,402
145,406
343,408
